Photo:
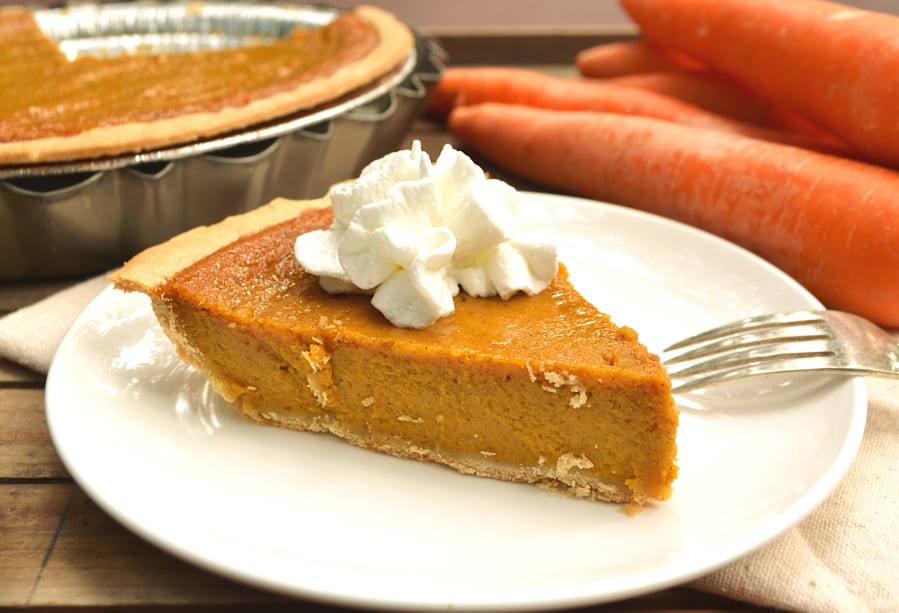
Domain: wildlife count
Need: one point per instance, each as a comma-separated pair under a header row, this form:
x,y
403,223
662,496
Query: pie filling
x,y
53,109
68,97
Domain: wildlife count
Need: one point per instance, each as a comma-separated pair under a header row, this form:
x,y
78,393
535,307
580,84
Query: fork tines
x,y
749,347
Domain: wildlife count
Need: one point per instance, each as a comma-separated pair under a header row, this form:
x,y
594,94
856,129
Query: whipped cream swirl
x,y
412,233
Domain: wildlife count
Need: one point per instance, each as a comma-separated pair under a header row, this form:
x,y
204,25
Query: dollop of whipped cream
x,y
412,233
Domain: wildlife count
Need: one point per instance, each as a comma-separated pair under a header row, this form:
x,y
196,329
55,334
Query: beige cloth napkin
x,y
845,555
843,558
31,335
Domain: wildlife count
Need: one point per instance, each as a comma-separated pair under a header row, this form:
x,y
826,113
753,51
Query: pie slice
x,y
541,389
53,109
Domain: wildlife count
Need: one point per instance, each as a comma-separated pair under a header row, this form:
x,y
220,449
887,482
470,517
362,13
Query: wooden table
x,y
59,550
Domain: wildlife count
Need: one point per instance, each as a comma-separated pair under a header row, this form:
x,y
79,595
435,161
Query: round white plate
x,y
311,516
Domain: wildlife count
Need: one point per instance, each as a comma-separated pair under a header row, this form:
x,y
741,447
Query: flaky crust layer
x,y
551,476
395,43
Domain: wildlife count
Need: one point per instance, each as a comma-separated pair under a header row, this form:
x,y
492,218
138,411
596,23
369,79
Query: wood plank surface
x,y
16,295
517,48
26,451
60,549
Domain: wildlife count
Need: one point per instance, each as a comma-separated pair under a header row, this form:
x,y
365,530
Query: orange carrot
x,y
721,96
629,57
831,223
706,91
473,85
832,63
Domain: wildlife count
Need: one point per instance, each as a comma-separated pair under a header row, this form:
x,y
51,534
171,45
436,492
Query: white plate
x,y
311,516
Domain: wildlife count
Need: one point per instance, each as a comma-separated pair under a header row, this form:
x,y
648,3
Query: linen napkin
x,y
843,557
31,335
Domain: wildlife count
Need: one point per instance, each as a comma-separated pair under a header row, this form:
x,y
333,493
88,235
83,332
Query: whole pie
x,y
54,109
540,389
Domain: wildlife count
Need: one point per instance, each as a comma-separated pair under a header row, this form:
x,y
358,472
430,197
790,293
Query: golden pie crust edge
x,y
154,266
394,46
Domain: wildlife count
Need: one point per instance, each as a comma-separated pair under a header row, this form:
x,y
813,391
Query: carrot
x,y
832,63
830,222
703,90
706,91
473,85
629,57
721,96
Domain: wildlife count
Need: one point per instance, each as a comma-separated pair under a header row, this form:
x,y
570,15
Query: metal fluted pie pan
x,y
74,218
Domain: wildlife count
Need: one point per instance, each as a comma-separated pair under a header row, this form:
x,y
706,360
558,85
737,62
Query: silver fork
x,y
797,341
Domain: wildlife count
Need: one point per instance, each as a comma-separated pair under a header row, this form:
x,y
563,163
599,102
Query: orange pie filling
x,y
65,98
139,100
